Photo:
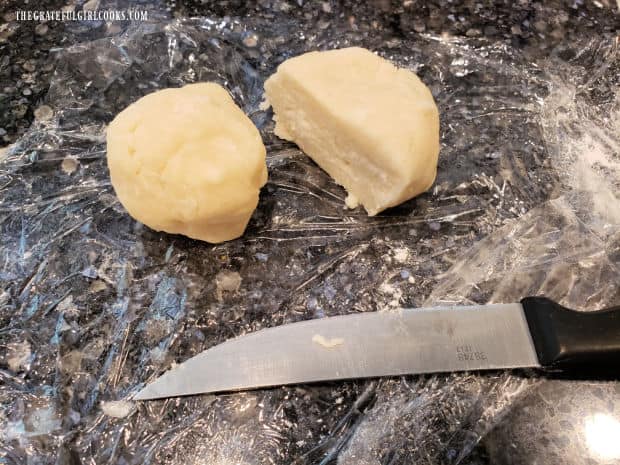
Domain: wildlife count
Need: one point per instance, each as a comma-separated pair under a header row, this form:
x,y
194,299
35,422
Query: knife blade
x,y
534,333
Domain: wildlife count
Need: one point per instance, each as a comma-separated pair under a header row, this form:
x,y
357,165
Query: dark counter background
x,y
27,58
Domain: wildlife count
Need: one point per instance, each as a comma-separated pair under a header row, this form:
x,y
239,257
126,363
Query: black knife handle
x,y
569,340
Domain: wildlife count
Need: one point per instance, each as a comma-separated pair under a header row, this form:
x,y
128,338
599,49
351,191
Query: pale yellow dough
x,y
373,127
187,161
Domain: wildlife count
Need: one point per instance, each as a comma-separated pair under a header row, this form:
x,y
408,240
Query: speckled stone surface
x,y
27,58
554,421
566,422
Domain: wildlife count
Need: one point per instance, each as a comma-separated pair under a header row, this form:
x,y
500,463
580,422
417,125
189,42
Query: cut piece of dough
x,y
187,161
373,127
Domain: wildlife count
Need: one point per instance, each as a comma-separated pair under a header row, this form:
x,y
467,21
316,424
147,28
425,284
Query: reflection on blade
x,y
358,346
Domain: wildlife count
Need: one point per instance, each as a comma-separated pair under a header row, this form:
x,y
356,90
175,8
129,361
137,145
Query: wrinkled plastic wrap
x,y
94,305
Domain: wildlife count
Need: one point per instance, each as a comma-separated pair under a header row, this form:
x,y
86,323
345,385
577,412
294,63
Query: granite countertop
x,y
538,27
555,420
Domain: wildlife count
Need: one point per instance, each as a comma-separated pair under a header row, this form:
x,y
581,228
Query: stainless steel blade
x,y
358,346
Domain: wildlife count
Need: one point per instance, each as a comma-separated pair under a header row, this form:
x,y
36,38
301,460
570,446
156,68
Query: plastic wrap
x,y
94,305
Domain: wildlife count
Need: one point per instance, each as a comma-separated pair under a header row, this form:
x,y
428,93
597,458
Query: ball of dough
x,y
372,126
187,161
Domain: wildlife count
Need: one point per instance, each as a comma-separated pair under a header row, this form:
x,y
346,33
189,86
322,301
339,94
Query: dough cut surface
x,y
372,126
187,161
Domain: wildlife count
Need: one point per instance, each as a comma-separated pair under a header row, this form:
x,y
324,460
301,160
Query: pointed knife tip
x,y
145,394
141,396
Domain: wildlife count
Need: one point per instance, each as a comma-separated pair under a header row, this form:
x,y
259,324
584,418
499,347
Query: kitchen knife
x,y
534,333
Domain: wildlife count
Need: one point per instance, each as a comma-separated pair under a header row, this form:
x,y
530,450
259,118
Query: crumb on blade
x,y
327,343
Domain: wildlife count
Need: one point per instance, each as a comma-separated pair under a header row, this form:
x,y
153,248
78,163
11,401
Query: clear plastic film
x,y
94,305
